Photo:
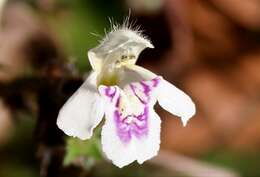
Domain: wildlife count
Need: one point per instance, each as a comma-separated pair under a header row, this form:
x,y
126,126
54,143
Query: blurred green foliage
x,y
18,156
88,151
81,24
134,169
246,164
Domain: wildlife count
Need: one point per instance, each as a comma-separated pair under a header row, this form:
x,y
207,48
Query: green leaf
x,y
85,153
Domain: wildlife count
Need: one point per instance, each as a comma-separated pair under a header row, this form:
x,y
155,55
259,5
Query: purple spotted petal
x,y
131,124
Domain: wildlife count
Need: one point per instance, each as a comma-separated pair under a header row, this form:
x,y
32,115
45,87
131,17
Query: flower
x,y
126,94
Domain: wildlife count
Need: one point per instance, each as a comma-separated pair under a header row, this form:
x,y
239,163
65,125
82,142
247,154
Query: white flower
x,y
125,93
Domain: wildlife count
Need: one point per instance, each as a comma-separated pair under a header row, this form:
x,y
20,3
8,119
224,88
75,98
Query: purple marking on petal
x,y
118,101
144,115
147,89
133,125
109,94
156,81
123,130
135,93
138,127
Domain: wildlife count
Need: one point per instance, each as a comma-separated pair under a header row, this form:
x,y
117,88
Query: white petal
x,y
138,148
134,73
118,42
170,98
95,61
83,111
149,146
115,150
175,101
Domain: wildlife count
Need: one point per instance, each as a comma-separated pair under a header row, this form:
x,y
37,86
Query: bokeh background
x,y
208,48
